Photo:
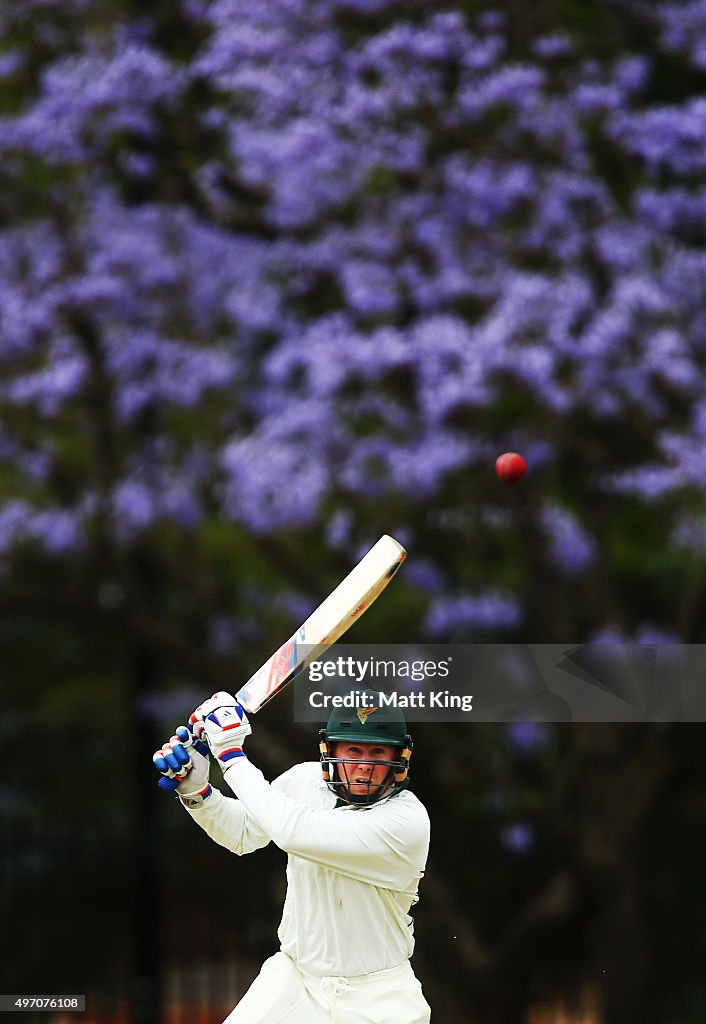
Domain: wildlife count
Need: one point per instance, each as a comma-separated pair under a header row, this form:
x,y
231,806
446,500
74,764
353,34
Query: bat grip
x,y
188,740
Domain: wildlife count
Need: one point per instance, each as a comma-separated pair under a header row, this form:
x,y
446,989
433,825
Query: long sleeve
x,y
385,845
352,873
228,823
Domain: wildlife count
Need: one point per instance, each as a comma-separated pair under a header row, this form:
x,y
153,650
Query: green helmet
x,y
363,720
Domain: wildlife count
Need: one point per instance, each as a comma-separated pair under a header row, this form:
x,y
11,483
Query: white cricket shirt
x,y
352,872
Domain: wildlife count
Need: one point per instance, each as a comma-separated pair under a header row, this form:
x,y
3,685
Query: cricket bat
x,y
344,605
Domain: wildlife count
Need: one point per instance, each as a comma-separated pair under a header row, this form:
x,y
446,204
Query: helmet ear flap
x,y
405,758
323,748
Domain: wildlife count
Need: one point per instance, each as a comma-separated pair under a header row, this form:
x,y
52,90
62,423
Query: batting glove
x,y
183,765
223,724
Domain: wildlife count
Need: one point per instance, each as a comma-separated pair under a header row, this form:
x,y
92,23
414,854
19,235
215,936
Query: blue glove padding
x,y
183,764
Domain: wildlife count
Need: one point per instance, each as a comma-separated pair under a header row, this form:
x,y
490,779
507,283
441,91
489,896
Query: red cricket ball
x,y
510,467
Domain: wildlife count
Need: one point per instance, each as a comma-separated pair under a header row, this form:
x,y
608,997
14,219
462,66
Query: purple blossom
x,y
486,191
648,633
676,210
10,63
492,20
518,838
683,27
425,576
87,99
134,507
631,73
13,519
362,6
571,549
295,606
49,387
591,98
180,504
680,464
690,533
647,482
158,369
369,288
338,529
57,531
556,45
229,636
608,635
666,138
453,366
272,482
417,466
526,737
401,250
491,610
516,87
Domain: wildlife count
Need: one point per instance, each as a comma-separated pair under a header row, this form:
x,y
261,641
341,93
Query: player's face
x,y
364,779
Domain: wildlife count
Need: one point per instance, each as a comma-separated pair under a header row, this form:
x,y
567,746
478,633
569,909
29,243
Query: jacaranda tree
x,y
310,268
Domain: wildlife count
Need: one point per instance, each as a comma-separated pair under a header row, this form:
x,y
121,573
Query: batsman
x,y
357,840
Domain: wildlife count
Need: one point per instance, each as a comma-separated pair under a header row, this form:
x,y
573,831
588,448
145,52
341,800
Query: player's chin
x,y
362,789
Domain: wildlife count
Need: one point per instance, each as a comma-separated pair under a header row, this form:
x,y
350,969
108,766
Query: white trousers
x,y
283,993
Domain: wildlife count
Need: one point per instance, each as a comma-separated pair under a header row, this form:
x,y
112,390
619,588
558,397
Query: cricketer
x,y
357,840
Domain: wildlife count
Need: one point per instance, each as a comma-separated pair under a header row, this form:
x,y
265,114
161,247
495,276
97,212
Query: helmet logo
x,y
364,713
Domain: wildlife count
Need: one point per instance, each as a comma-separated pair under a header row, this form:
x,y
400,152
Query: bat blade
x,y
344,605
